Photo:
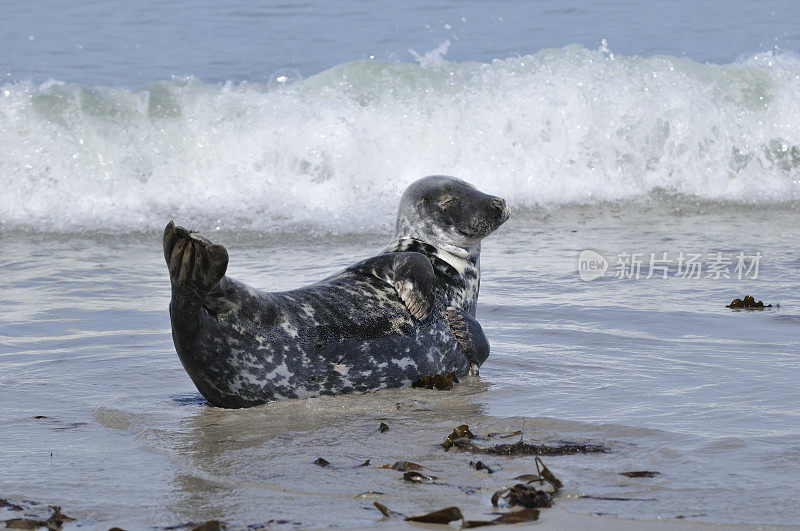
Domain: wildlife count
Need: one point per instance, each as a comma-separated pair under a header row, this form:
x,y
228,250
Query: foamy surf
x,y
334,151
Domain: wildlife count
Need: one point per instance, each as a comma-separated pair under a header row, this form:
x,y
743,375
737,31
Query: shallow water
x,y
658,370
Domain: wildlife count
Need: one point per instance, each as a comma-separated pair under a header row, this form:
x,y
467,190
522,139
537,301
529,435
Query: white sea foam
x,y
334,151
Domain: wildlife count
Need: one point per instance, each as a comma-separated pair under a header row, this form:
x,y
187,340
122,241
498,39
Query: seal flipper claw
x,y
194,262
469,336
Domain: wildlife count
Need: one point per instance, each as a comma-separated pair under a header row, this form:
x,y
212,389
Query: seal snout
x,y
500,208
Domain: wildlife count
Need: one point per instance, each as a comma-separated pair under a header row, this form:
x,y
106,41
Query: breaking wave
x,y
335,151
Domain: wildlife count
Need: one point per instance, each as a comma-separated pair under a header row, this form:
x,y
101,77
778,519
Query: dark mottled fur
x,y
383,322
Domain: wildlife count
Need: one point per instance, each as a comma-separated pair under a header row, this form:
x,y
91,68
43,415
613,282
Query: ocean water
x,y
288,132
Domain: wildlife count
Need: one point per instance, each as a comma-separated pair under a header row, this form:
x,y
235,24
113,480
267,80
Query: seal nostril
x,y
499,204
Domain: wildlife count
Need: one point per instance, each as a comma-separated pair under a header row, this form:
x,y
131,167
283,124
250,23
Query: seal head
x,y
449,214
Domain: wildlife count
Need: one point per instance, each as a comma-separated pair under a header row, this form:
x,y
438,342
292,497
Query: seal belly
x,y
396,360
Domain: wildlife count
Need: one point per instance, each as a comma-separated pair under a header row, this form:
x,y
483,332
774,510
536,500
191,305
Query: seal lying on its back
x,y
383,322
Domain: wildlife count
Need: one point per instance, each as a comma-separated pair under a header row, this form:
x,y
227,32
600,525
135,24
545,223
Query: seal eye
x,y
446,200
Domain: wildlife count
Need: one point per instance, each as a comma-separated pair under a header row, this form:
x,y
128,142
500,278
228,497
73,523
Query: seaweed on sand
x,y
437,381
641,474
463,439
55,522
402,466
538,490
442,516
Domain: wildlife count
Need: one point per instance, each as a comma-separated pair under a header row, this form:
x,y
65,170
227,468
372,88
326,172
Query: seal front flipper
x,y
469,335
411,275
194,263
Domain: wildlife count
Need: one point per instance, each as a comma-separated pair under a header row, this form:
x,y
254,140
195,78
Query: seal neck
x,y
458,258
421,232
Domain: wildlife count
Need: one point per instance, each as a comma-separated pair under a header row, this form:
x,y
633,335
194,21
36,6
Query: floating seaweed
x,y
538,491
385,511
460,433
523,448
641,474
26,523
504,435
210,525
55,522
613,498
5,504
403,466
478,465
272,523
368,494
525,495
442,516
514,517
413,476
462,438
451,514
547,475
413,405
748,303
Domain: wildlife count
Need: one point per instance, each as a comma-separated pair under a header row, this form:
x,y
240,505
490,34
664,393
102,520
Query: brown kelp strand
x,y
442,516
385,511
55,522
413,476
530,496
478,465
460,433
463,439
514,517
402,466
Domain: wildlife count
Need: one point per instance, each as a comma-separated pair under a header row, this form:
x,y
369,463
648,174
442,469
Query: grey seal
x,y
384,322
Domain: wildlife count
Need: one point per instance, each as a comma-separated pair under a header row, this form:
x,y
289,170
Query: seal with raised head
x,y
386,321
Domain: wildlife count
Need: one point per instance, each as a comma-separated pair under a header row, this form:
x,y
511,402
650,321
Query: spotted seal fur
x,y
384,322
